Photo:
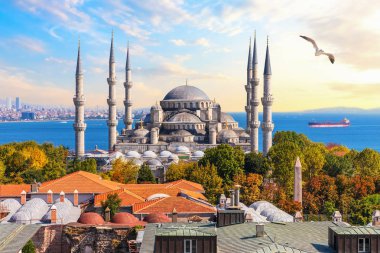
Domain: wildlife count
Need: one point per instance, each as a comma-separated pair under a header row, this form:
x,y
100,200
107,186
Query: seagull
x,y
318,51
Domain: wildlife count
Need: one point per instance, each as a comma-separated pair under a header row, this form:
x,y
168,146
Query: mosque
x,y
186,120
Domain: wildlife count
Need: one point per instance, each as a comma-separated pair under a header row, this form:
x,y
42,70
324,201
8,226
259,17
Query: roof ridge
x,y
133,194
46,183
153,201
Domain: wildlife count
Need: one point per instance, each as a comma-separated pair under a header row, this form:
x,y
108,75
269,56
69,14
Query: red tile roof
x,y
84,182
127,198
186,185
166,205
13,190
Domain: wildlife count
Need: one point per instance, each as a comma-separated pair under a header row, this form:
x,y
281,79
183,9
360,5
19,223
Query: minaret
x,y
112,122
298,181
267,100
79,99
255,123
248,88
128,85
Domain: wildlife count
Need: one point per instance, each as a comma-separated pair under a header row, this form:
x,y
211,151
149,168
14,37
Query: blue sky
x,y
203,41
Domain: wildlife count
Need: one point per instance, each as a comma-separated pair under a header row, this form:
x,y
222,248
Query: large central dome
x,y
186,92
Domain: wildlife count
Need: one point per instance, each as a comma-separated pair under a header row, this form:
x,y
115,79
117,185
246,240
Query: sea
x,y
364,131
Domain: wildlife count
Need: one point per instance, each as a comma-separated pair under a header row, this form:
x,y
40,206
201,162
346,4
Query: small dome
x,y
198,153
149,154
154,162
182,149
244,135
173,157
157,196
124,218
65,200
21,217
10,204
227,134
141,133
225,117
185,117
138,162
157,218
91,218
165,153
133,154
181,133
186,92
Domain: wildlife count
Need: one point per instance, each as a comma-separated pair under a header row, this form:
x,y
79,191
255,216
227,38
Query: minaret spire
x,y
111,101
79,100
248,87
267,101
128,85
255,123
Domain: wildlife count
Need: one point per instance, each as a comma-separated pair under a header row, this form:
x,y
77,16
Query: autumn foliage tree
x,y
124,171
250,187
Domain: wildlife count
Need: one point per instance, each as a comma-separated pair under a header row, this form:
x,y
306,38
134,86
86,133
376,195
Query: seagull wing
x,y
331,57
311,41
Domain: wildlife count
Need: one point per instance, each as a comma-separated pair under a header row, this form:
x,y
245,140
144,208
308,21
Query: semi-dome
x,y
225,117
150,154
227,134
184,117
165,153
182,149
133,154
91,218
186,92
157,218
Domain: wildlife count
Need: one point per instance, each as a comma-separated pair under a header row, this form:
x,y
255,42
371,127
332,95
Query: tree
x,y
29,247
282,157
314,159
88,165
229,161
250,187
179,170
367,163
208,177
113,202
337,165
2,172
256,163
361,210
300,140
145,175
124,171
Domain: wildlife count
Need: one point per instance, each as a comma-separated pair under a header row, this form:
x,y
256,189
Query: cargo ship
x,y
343,123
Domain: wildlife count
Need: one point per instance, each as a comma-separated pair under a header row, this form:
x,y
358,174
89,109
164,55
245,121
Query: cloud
x,y
202,42
60,61
29,43
52,32
178,42
361,91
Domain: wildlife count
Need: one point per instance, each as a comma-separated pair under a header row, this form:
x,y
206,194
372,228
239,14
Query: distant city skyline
x,y
204,42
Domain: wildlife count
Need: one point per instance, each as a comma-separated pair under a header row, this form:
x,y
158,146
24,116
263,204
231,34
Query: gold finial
x,y
225,124
141,124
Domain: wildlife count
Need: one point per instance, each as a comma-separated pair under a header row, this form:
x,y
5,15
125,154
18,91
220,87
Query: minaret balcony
x,y
255,81
111,102
111,80
248,108
267,101
128,121
255,124
248,88
112,123
128,103
80,126
267,126
128,85
79,101
255,102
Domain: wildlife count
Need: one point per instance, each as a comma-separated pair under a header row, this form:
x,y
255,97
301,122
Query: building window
x,y
364,245
190,246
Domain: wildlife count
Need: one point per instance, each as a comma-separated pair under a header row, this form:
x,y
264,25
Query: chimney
x,y
75,198
336,217
222,201
107,214
298,217
34,186
237,196
53,214
62,197
232,197
174,215
376,218
260,230
49,198
23,197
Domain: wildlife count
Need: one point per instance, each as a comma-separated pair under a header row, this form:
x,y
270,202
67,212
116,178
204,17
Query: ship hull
x,y
328,125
